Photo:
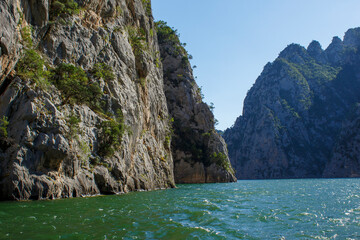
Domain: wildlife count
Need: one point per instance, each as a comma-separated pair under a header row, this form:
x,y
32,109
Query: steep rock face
x,y
294,113
83,109
345,159
9,37
200,154
60,145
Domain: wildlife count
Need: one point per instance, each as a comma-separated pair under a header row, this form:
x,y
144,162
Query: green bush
x,y
75,86
4,123
137,40
221,160
170,36
26,36
63,8
110,135
102,70
147,6
73,123
166,33
167,141
31,67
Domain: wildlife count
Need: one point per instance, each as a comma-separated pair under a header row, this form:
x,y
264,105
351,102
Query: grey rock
x,y
43,157
9,38
195,139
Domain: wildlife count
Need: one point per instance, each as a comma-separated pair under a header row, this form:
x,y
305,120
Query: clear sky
x,y
232,40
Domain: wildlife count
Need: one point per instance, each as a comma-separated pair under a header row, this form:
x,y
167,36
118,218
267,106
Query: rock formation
x,y
201,157
296,118
83,109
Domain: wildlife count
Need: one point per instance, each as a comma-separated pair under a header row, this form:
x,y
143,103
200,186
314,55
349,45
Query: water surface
x,y
269,209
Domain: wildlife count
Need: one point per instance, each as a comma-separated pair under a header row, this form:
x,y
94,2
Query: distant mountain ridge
x,y
301,118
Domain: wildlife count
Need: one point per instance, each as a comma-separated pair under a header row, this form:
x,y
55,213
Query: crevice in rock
x,y
5,85
3,49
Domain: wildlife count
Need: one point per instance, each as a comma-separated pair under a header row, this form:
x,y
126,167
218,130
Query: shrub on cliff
x,y
26,36
166,33
63,8
110,135
31,67
102,70
221,160
147,6
75,86
169,35
3,127
137,40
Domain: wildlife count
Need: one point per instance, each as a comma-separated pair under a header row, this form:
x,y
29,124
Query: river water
x,y
269,209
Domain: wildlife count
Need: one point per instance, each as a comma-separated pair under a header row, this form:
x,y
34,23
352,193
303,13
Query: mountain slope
x,y
294,113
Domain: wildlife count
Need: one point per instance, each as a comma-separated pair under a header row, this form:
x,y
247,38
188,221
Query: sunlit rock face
x,y
45,154
83,109
300,119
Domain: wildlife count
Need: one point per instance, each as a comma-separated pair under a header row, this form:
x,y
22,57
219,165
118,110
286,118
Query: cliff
x,y
82,102
296,117
200,153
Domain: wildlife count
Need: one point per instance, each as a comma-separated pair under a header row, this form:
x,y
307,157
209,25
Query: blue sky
x,y
232,40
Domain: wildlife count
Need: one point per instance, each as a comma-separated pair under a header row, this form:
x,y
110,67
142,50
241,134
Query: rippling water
x,y
272,209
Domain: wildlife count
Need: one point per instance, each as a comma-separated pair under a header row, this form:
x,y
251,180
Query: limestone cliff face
x,y
41,156
83,109
200,153
296,114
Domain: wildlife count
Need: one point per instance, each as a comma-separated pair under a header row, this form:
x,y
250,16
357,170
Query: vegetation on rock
x,y
137,40
294,112
222,160
4,123
102,70
63,8
75,86
31,67
110,135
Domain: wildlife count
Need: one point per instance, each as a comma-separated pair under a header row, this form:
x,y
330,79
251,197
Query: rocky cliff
x,y
200,153
83,109
296,118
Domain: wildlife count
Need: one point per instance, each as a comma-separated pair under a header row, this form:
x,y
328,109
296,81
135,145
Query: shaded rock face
x,y
345,160
41,157
200,153
9,37
296,117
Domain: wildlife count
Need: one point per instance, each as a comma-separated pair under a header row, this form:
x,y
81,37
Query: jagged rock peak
x,y
314,48
295,121
294,53
352,37
334,51
336,41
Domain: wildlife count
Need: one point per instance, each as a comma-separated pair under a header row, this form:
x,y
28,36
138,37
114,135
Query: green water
x,y
275,209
